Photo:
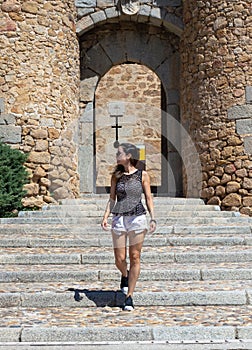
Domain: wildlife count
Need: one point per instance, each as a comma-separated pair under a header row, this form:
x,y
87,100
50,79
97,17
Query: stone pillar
x,y
39,84
215,72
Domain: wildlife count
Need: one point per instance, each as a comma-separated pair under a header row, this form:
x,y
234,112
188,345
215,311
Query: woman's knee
x,y
120,258
135,257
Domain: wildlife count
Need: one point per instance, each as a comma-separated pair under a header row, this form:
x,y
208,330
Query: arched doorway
x,y
113,45
136,90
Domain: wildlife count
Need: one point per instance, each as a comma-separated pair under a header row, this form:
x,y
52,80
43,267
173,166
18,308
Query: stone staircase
x,y
58,282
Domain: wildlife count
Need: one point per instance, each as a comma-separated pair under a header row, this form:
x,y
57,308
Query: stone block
x,y
247,183
7,119
172,3
105,3
61,193
97,61
10,335
173,95
85,3
248,92
39,157
9,300
1,105
30,7
39,259
111,12
240,112
114,46
244,126
85,334
211,257
39,133
47,122
86,163
216,229
193,333
84,11
156,16
144,11
69,299
226,274
191,298
45,276
87,117
83,25
167,73
173,23
98,17
87,88
248,144
7,25
160,51
244,332
10,133
170,275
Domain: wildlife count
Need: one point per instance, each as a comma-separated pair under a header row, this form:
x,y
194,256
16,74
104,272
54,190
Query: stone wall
x,y
139,90
216,54
39,89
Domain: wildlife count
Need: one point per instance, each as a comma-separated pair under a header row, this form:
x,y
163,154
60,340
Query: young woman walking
x,y
129,216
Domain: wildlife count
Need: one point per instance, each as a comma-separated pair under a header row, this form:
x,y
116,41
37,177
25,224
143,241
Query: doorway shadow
x,y
100,298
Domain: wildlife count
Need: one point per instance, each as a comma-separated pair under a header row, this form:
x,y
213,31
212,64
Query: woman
x,y
129,216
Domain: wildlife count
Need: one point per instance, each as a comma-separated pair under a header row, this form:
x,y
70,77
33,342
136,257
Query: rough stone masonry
x,y
43,78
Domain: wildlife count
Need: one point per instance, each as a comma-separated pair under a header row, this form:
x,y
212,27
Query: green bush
x,y
13,177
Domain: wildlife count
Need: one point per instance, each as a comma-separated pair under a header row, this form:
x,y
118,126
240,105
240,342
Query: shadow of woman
x,y
99,297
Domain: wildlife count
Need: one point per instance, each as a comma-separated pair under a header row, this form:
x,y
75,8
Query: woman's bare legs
x,y
135,247
120,252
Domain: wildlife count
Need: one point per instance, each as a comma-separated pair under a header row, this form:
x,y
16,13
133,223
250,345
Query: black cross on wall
x,y
116,126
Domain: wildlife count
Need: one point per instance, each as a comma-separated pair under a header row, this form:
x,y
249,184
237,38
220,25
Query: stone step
x,y
178,229
95,224
91,209
204,344
57,240
159,213
98,235
94,199
153,324
162,221
179,255
153,272
162,210
82,241
85,298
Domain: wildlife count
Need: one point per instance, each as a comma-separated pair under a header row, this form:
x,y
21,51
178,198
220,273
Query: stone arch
x,y
113,44
158,17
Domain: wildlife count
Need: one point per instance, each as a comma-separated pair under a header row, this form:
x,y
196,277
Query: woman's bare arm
x,y
148,199
110,203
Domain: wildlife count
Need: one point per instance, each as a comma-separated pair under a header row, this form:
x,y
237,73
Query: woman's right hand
x,y
105,226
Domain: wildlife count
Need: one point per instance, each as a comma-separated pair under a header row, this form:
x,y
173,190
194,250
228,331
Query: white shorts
x,y
122,224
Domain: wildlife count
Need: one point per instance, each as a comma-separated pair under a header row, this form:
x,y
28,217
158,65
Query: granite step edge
x,y
92,298
196,274
132,334
53,258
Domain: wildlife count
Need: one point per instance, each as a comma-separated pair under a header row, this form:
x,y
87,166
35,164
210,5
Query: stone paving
x,y
55,285
141,316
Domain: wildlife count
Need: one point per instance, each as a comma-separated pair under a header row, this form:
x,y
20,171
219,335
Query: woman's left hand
x,y
153,226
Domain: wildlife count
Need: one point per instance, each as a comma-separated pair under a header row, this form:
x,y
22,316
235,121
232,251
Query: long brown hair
x,y
128,148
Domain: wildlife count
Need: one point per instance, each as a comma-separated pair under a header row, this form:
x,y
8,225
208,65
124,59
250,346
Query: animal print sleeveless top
x,y
129,195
